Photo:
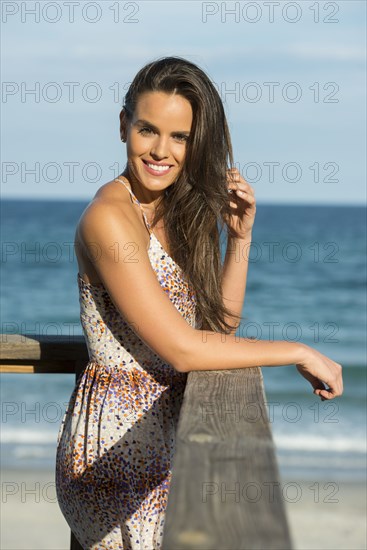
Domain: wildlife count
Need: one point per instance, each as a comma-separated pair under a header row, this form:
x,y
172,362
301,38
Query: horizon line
x,y
266,203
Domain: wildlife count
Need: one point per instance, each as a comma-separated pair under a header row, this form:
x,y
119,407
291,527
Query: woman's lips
x,y
156,169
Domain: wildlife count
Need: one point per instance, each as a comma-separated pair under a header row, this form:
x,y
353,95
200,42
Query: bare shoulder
x,y
108,219
111,207
113,190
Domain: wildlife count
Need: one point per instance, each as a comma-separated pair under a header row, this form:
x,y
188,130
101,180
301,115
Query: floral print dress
x,y
116,440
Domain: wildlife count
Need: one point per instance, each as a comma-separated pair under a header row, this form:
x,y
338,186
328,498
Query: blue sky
x,y
292,82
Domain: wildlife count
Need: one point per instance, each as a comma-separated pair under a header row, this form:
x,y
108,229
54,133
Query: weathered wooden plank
x,y
39,367
20,353
225,491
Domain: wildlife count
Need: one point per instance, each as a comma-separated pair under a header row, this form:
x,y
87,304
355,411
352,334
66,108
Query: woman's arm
x,y
117,247
240,223
207,350
235,268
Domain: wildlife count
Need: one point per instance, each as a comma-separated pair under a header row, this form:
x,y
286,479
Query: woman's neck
x,y
147,202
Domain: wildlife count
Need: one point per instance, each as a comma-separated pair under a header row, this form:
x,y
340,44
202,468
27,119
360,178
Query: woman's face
x,y
156,138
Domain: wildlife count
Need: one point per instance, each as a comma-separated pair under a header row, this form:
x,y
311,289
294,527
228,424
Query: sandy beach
x,y
30,515
321,516
327,516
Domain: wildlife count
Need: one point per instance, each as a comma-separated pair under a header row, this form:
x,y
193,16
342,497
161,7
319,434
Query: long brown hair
x,y
195,207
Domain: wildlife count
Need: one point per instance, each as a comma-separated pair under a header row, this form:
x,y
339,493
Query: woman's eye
x,y
145,131
181,137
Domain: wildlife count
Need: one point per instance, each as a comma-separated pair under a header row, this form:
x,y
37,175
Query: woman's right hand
x,y
320,370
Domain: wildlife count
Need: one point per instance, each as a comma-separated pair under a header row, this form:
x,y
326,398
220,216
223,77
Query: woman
x,y
155,304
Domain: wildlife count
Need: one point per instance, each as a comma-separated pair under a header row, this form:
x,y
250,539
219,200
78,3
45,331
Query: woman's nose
x,y
160,148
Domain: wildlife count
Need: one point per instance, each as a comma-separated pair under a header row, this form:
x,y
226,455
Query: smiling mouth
x,y
158,168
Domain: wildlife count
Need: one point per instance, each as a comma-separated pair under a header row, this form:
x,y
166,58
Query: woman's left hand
x,y
242,203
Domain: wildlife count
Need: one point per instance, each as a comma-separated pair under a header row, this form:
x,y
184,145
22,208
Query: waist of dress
x,y
146,366
142,378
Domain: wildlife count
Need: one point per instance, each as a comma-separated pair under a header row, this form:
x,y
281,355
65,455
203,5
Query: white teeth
x,y
158,168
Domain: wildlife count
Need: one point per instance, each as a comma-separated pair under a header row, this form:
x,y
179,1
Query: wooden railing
x,y
225,491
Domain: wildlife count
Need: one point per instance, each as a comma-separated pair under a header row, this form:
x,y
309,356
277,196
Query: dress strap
x,y
136,201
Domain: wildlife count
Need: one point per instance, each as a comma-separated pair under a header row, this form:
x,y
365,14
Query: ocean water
x,y
306,282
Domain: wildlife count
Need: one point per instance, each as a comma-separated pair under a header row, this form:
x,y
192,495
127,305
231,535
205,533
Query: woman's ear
x,y
123,125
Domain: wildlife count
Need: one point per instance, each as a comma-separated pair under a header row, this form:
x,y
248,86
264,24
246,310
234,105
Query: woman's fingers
x,y
316,383
324,375
335,383
333,390
242,190
326,394
236,183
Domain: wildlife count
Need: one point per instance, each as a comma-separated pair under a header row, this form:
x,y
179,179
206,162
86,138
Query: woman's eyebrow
x,y
143,122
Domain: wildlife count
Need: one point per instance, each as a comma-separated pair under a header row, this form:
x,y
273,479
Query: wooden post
x,y
225,490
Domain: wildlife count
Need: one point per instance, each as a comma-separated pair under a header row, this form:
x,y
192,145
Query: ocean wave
x,y
314,443
304,442
33,452
28,436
